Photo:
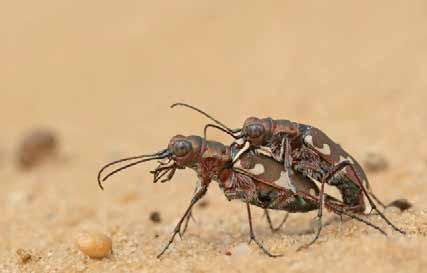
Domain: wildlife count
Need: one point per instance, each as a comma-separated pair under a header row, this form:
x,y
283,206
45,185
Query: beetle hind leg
x,y
368,196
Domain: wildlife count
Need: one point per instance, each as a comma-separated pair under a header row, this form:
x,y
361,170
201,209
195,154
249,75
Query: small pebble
x,y
36,147
94,244
23,256
401,204
155,217
375,162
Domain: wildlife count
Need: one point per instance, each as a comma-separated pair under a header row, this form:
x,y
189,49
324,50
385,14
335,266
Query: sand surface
x,y
102,74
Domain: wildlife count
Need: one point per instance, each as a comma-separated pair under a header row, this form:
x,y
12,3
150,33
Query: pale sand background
x,y
104,73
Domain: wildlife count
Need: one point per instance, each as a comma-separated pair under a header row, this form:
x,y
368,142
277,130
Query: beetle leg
x,y
253,238
177,230
371,203
189,216
341,209
187,221
325,180
270,222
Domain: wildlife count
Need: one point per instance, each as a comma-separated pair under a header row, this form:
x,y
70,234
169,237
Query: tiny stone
x,y
375,162
155,217
23,255
94,244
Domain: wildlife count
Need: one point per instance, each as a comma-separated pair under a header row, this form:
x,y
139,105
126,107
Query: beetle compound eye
x,y
182,147
255,130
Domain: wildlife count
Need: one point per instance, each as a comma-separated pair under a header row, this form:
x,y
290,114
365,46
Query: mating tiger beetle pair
x,y
272,164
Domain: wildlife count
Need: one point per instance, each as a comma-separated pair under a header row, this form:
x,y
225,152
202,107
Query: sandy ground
x,y
103,74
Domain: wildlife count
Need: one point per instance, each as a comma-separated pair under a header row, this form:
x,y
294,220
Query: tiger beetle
x,y
258,180
304,151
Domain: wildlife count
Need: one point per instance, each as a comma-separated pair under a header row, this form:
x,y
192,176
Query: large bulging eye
x,y
182,147
254,130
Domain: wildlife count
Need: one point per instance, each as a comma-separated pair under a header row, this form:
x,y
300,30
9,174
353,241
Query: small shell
x,y
94,244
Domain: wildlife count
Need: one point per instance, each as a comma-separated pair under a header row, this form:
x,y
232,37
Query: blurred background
x,y
101,76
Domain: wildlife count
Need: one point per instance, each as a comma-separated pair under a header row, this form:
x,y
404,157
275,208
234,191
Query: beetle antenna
x,y
219,128
160,155
230,131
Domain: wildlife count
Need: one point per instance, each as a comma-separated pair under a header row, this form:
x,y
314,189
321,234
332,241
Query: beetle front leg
x,y
177,230
190,215
187,222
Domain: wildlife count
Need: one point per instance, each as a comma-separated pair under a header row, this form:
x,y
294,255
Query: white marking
x,y
309,140
258,169
313,192
244,149
264,151
238,164
284,181
366,184
326,150
240,141
368,207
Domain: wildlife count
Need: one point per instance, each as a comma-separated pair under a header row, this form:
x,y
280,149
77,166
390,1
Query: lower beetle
x,y
255,179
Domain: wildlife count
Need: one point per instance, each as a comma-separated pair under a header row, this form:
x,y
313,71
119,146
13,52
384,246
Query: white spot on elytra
x,y
326,150
238,164
284,181
240,141
258,169
313,192
309,140
264,151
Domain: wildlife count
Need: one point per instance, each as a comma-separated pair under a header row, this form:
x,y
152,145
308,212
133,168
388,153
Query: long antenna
x,y
159,155
206,115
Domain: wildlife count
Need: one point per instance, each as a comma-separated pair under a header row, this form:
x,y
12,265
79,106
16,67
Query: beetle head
x,y
182,152
256,131
185,149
